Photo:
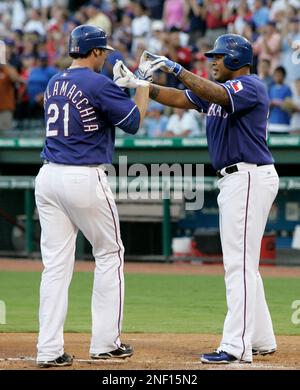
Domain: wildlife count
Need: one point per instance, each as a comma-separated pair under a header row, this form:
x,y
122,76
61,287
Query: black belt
x,y
232,169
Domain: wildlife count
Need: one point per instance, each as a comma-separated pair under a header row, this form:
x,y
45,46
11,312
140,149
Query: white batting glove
x,y
160,62
145,70
124,78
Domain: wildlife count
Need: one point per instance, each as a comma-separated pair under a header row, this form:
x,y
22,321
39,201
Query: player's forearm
x,y
169,96
141,100
204,88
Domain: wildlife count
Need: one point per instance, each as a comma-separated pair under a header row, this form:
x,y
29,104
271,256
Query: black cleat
x,y
263,352
62,361
122,352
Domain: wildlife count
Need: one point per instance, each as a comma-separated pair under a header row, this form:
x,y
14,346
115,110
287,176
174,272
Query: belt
x,y
231,169
91,165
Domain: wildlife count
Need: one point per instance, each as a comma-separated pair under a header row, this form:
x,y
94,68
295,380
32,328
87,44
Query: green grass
x,y
153,303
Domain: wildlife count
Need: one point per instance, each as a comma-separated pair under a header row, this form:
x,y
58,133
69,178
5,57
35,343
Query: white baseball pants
x,y
69,198
245,200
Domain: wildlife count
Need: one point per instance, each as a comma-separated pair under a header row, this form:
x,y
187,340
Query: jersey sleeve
x,y
202,105
242,95
120,110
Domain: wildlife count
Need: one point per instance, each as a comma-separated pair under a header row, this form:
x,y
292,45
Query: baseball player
x,y
82,108
237,109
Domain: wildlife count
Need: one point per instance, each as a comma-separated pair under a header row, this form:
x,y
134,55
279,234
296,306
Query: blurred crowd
x,y
35,34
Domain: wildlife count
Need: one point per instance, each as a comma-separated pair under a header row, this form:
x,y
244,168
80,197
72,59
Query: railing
x,y
29,140
27,183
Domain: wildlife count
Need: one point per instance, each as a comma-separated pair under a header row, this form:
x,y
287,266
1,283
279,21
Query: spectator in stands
x,y
290,49
214,19
98,18
29,46
279,119
156,41
12,56
75,4
249,31
265,74
141,25
279,8
155,123
176,48
261,14
123,33
55,44
22,104
182,123
243,15
35,23
8,77
197,20
37,83
200,65
268,45
59,20
292,105
5,23
50,21
175,14
18,14
17,37
155,8
42,4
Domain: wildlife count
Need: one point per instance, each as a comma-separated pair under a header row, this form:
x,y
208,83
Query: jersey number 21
x,y
53,114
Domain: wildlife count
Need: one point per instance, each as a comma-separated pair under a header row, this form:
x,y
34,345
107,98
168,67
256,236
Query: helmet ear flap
x,y
230,62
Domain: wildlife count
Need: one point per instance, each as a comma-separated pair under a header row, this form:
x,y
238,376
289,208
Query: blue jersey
x,y
277,114
82,108
237,133
38,80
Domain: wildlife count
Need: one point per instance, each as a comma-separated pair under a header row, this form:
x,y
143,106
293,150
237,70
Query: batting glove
x,y
161,62
145,70
124,78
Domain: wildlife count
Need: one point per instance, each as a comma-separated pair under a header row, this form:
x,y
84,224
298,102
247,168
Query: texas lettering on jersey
x,y
216,110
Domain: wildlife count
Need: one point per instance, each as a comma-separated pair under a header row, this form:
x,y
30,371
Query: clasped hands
x,y
149,63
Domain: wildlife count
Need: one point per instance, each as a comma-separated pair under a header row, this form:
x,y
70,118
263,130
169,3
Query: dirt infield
x,y
152,351
183,268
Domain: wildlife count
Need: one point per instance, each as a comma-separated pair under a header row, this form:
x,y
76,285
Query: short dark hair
x,y
280,69
75,56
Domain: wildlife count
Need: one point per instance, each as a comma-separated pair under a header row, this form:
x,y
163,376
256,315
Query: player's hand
x,y
161,62
124,78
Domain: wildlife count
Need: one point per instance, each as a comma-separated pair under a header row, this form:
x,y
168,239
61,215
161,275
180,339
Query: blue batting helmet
x,y
236,49
87,37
